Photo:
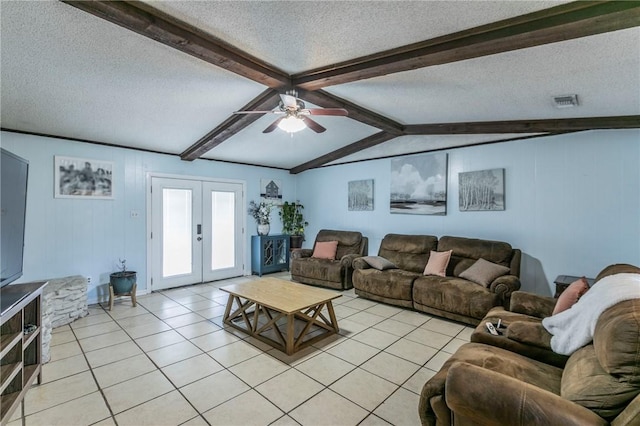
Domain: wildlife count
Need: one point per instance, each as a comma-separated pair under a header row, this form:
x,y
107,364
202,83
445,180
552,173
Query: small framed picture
x,y
482,190
271,190
361,195
83,178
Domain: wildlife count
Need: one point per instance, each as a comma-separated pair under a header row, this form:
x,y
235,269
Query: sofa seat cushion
x,y
391,284
454,295
320,269
585,382
512,323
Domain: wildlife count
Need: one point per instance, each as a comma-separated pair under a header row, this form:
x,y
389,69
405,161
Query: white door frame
x,y
151,175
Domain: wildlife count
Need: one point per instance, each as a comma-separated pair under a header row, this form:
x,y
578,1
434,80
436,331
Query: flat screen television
x,y
13,203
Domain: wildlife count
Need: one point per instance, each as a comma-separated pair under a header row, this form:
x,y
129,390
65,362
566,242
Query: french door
x,y
196,231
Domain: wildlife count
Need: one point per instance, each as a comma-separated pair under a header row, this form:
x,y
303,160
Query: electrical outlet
x,y
88,280
135,214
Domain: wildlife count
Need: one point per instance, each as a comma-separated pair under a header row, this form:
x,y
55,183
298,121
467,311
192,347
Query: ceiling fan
x,y
295,116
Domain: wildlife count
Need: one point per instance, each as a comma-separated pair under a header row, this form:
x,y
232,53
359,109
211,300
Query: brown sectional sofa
x,y
333,273
451,296
599,384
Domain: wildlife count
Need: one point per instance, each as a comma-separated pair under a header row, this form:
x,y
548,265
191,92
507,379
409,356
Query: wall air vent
x,y
565,101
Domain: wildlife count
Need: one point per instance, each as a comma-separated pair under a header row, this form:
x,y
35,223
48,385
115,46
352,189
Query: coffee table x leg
x,y
246,320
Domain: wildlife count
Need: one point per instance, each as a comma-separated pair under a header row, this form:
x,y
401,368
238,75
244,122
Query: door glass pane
x,y
222,229
176,228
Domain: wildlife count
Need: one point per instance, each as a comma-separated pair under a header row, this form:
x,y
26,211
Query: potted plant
x,y
261,212
123,280
293,222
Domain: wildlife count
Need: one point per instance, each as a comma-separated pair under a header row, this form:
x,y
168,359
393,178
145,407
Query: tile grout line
x,y
291,364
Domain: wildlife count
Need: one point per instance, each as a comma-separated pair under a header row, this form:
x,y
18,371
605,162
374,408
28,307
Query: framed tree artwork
x,y
481,190
361,195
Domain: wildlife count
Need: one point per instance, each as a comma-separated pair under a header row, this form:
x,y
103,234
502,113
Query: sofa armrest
x,y
505,285
491,398
360,263
532,304
529,333
347,260
300,253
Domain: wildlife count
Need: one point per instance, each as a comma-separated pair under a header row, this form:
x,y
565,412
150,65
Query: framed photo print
x,y
482,190
361,195
419,184
83,178
271,190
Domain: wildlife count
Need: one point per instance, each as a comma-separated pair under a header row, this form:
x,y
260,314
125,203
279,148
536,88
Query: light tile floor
x,y
169,361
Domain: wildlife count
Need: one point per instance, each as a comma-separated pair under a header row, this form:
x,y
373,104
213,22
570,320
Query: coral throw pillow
x,y
437,264
570,296
325,250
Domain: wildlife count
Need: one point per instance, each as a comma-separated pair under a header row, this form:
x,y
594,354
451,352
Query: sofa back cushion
x,y
349,242
467,250
618,268
408,252
617,340
586,383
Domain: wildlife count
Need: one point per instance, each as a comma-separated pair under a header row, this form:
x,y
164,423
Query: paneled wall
x,y
572,202
572,205
87,237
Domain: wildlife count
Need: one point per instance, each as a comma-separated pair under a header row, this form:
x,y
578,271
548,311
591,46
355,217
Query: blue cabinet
x,y
269,253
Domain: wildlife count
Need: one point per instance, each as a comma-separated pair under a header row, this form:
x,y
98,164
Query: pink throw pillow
x,y
325,250
437,264
570,296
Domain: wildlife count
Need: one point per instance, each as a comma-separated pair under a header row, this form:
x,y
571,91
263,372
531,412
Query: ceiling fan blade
x,y
289,101
273,126
328,111
313,125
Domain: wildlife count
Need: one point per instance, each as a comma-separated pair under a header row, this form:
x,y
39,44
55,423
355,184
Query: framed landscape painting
x,y
481,190
83,178
361,195
419,184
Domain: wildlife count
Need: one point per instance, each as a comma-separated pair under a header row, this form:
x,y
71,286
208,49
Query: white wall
x,y
572,202
87,237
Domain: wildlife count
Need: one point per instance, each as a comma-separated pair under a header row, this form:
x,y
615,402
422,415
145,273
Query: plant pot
x,y
295,241
122,282
263,229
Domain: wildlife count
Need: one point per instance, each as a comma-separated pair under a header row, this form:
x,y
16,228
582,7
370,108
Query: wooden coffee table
x,y
283,314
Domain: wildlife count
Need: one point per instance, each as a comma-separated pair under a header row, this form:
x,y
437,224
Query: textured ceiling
x,y
67,73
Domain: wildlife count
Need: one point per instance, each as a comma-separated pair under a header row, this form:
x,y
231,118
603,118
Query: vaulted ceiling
x,y
166,76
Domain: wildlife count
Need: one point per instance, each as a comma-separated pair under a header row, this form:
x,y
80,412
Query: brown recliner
x,y
523,332
600,384
333,273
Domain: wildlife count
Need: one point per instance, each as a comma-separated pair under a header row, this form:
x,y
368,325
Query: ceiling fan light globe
x,y
291,124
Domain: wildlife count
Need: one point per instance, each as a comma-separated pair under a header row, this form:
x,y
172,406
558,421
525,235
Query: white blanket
x,y
573,328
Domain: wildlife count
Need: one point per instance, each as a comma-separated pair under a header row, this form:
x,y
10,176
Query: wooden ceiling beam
x,y
365,143
356,112
154,24
267,100
525,126
560,23
552,126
